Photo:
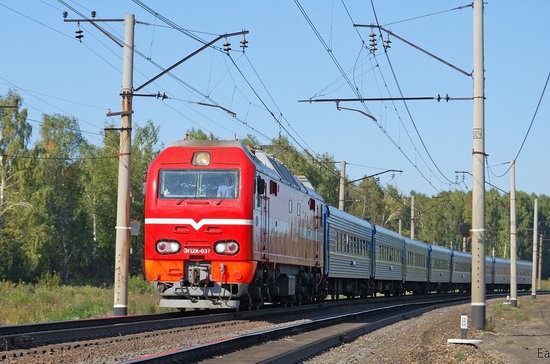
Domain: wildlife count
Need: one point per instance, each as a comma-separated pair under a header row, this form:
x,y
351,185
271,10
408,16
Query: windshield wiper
x,y
180,201
220,201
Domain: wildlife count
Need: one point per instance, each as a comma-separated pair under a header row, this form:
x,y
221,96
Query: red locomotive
x,y
228,227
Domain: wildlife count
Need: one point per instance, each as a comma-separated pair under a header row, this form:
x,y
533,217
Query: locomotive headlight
x,y
167,247
220,248
201,158
226,247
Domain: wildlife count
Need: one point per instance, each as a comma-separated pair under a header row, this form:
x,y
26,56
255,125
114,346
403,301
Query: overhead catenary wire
x,y
78,130
46,102
430,14
121,43
330,52
393,102
176,26
530,126
277,106
357,92
57,31
173,24
76,159
404,101
308,153
118,55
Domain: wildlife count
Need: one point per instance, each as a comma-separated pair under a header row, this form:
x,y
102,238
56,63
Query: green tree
x,y
14,139
198,134
144,149
100,171
56,195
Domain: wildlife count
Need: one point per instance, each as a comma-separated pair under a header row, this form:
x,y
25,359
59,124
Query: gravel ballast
x,y
519,335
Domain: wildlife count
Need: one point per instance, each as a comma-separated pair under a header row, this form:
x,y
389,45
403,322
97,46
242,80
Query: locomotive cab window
x,y
194,184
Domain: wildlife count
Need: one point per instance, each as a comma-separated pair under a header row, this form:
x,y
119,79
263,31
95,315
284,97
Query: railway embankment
x,y
513,335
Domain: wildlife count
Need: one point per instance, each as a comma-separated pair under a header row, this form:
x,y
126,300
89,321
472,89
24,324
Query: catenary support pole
x,y
478,180
541,240
400,222
412,216
342,196
535,250
513,235
122,256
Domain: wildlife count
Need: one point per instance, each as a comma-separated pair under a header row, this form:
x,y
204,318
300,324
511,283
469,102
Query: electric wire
x,y
430,14
401,122
404,102
329,51
530,126
181,114
314,158
179,80
78,130
393,102
173,24
277,106
46,102
358,93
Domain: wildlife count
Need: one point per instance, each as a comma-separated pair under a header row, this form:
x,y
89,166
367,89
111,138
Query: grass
x,y
500,311
490,327
49,300
545,284
459,356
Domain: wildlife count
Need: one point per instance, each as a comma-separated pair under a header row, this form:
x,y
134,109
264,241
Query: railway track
x,y
31,340
37,335
300,341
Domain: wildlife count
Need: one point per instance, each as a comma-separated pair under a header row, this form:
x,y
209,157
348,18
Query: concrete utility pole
x,y
342,196
399,226
122,256
478,180
540,261
513,249
463,243
412,217
535,248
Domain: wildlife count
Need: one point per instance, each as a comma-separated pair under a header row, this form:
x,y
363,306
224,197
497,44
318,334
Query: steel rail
x,y
33,335
227,345
232,344
36,335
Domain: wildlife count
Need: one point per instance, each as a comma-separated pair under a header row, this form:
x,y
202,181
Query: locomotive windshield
x,y
175,183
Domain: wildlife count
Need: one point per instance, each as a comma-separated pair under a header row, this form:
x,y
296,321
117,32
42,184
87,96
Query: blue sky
x,y
57,74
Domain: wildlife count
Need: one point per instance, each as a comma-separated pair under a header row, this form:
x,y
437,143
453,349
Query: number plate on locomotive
x,y
188,250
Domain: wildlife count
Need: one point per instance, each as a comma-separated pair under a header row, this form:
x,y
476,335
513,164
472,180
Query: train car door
x,y
373,253
264,226
317,225
262,203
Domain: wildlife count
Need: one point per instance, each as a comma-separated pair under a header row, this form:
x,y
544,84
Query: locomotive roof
x,y
263,162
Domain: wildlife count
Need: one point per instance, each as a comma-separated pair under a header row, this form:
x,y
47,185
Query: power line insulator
x,y
226,46
79,34
387,43
65,14
244,43
93,13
